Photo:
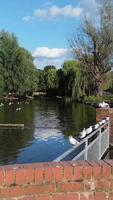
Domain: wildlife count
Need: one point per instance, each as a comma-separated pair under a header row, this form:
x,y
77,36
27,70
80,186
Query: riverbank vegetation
x,y
87,77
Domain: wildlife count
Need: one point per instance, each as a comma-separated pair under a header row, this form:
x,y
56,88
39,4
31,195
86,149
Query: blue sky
x,y
44,26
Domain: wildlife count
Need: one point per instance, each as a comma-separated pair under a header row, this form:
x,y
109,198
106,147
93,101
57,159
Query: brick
x,y
12,192
20,176
87,169
39,173
77,171
2,173
44,197
29,175
48,174
72,196
57,170
96,169
100,196
40,189
58,197
70,187
87,196
110,163
89,185
102,185
106,169
9,177
28,198
68,170
111,196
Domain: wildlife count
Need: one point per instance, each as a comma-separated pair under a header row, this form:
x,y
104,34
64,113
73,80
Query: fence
x,y
93,147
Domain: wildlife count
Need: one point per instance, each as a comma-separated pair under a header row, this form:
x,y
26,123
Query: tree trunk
x,y
98,88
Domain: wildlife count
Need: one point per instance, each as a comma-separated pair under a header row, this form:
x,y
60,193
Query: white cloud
x,y
28,18
55,56
54,11
45,52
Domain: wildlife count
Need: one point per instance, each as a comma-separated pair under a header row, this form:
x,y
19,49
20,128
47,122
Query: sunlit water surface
x,y
47,127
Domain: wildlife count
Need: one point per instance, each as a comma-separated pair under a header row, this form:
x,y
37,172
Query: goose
x,y
73,140
103,105
89,130
83,134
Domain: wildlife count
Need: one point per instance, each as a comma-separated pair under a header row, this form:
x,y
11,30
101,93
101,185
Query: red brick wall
x,y
106,112
58,181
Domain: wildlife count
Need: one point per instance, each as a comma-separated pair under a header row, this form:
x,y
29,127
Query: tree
x,y
41,81
93,46
19,75
50,77
75,80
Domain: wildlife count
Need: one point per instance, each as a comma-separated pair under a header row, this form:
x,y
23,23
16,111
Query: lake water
x,y
47,127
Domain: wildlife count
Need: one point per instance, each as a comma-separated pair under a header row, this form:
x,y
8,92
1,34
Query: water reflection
x,y
47,127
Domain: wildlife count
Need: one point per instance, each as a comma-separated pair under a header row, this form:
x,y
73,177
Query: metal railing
x,y
93,147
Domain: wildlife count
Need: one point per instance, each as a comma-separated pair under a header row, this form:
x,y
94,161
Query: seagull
x,y
83,134
96,126
73,140
89,130
103,121
100,123
107,118
103,105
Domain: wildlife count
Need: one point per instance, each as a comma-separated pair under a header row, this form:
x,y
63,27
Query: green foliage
x,y
75,80
93,99
17,68
93,46
50,76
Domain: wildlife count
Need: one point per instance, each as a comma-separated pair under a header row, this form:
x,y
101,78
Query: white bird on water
x,y
18,109
73,140
83,134
10,103
103,105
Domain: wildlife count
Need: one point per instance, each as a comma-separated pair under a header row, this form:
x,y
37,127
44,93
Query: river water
x,y
47,127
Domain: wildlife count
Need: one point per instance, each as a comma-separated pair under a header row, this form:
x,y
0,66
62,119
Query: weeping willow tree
x,y
93,46
76,83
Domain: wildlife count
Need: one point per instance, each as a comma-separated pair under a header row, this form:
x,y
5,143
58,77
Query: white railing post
x,y
108,132
86,149
100,142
